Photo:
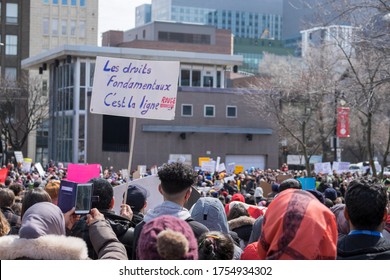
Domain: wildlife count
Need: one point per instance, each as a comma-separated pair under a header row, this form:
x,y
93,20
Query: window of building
x,y
45,26
64,27
82,28
185,77
208,81
186,110
196,78
11,45
44,87
10,74
45,1
64,2
12,13
55,2
209,111
54,27
73,28
73,2
231,111
82,3
114,139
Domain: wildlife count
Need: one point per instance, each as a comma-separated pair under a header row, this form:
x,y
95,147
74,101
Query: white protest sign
x,y
222,167
39,168
118,197
26,166
340,167
323,167
18,156
151,184
208,166
135,88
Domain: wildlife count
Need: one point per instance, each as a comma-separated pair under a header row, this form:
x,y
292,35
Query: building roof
x,y
143,54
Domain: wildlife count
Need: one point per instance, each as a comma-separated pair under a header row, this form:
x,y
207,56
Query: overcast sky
x,y
117,14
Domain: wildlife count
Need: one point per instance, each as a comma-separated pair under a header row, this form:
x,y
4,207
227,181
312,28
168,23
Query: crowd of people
x,y
344,216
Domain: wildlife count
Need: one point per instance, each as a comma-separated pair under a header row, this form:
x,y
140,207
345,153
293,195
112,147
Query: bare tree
x,y
22,110
298,95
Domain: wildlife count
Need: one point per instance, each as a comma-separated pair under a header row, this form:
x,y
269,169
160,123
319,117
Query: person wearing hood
x,y
175,187
209,211
42,236
120,224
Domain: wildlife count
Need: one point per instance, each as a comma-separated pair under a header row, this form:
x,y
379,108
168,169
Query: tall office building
x,y
254,19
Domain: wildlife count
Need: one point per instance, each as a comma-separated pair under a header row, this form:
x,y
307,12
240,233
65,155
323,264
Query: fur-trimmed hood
x,y
241,221
47,247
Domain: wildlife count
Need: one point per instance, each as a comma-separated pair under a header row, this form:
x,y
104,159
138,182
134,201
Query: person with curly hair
x,y
4,225
215,245
176,181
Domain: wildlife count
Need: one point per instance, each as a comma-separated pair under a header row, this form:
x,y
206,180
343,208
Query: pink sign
x,y
82,173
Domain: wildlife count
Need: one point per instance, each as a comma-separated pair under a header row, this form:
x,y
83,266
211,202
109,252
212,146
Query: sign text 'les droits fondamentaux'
x,y
135,88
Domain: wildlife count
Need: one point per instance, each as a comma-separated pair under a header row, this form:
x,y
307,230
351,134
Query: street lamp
x,y
341,129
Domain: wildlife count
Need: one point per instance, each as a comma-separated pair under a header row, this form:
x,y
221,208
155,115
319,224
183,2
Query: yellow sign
x,y
203,159
238,169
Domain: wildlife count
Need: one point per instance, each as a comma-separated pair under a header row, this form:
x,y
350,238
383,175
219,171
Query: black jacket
x,y
363,247
122,227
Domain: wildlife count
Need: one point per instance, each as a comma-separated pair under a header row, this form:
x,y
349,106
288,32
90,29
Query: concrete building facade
x,y
210,121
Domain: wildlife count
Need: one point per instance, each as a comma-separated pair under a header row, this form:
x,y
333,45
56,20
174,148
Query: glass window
x,y
12,13
45,26
10,73
73,2
54,27
82,3
64,2
44,87
45,1
208,81
55,2
82,28
185,77
73,28
186,110
196,78
64,27
209,111
11,44
231,112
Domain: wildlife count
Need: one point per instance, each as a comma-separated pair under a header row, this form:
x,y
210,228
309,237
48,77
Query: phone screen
x,y
83,198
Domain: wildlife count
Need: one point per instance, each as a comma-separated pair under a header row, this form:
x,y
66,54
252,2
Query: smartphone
x,y
83,199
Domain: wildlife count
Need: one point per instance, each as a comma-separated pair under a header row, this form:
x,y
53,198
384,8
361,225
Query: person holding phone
x,y
103,201
42,236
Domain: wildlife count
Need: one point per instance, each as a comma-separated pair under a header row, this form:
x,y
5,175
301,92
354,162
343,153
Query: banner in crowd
x,y
343,122
3,174
82,173
135,88
340,167
323,167
308,183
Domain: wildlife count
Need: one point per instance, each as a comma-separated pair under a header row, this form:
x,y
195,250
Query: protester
x,y
53,188
42,237
136,198
176,181
366,212
4,225
216,245
297,226
241,223
167,238
7,200
104,202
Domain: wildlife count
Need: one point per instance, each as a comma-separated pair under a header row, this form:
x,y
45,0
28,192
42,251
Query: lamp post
x,y
341,126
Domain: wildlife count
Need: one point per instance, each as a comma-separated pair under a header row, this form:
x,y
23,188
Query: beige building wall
x,y
55,25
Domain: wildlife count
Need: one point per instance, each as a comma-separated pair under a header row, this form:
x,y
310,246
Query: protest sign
x,y
26,164
135,88
118,196
82,173
3,174
19,156
208,166
267,188
238,169
340,167
323,167
307,183
39,168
